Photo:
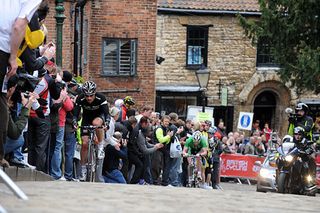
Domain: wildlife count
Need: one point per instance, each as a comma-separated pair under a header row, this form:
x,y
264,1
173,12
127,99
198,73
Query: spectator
x,y
16,125
126,128
221,129
135,155
189,127
109,139
111,172
66,105
267,132
215,146
146,148
259,147
29,54
146,111
256,128
39,127
70,132
14,18
128,103
163,135
249,148
231,143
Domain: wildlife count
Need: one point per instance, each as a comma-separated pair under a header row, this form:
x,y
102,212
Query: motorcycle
x,y
293,174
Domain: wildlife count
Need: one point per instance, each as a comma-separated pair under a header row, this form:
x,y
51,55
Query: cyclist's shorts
x,y
86,121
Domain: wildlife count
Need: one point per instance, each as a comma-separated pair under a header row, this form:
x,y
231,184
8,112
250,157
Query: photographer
x,y
111,172
16,125
49,87
12,30
301,119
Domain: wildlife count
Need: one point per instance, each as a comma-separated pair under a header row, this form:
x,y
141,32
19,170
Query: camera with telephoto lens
x,y
26,84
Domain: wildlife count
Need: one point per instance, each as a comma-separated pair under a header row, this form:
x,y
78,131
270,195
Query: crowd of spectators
x,y
45,105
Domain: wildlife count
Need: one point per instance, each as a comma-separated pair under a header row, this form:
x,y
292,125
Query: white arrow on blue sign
x,y
245,120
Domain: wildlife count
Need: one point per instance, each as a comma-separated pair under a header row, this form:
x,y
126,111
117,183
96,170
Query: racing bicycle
x,y
92,152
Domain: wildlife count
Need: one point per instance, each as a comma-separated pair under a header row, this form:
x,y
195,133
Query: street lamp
x,y
59,25
203,76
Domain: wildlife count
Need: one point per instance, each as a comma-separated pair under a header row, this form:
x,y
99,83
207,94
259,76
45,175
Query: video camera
x,y
292,115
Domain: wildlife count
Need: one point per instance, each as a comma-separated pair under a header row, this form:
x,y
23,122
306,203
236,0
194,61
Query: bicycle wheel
x,y
91,166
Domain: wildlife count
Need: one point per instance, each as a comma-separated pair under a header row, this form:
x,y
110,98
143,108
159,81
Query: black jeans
x,y
38,140
166,165
138,163
215,178
4,114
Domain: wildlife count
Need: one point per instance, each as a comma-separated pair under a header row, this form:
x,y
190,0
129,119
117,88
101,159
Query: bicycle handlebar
x,y
91,127
192,156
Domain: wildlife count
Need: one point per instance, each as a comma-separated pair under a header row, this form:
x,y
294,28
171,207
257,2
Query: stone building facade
x,y
115,45
231,61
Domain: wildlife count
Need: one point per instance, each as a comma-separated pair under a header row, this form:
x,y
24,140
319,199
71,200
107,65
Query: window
x,y
197,46
119,57
264,56
175,102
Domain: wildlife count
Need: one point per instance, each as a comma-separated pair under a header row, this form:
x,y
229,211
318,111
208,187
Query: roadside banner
x,y
245,120
239,166
318,170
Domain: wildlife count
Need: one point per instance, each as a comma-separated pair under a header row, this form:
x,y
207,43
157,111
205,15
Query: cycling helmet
x,y
287,139
302,106
197,135
212,130
128,100
209,123
89,88
299,130
118,103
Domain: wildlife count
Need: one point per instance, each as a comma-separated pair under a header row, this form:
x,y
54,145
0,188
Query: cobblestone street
x,y
55,196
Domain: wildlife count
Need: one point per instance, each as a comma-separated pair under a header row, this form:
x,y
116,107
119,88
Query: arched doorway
x,y
265,105
281,97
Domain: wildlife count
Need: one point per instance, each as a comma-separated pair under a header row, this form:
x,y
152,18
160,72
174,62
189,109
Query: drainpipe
x,y
75,42
81,39
78,32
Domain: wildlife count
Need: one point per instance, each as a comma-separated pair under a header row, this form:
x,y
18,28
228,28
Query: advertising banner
x,y
242,166
318,169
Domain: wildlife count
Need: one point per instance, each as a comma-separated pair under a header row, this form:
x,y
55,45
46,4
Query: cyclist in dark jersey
x,y
95,112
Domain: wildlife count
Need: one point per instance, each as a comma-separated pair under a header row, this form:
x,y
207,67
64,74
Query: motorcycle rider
x,y
300,140
301,119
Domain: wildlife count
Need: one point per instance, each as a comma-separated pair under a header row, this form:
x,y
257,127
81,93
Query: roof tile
x,y
229,5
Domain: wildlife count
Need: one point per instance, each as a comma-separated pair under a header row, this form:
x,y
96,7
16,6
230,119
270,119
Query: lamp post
x,y
203,76
59,24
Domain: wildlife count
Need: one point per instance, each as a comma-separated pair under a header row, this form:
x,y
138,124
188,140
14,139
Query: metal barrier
x,y
12,186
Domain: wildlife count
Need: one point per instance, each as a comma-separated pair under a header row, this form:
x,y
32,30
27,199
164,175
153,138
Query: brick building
x,y
191,33
111,42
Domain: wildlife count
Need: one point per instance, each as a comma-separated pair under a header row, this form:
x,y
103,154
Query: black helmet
x,y
89,88
302,106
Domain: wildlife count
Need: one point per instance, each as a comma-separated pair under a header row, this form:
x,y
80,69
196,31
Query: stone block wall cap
x,y
178,88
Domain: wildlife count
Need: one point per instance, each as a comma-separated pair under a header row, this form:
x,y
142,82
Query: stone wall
x,y
231,58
